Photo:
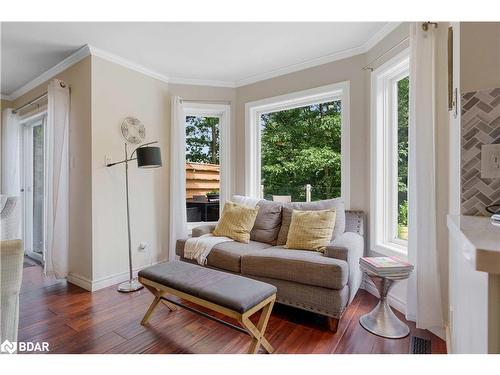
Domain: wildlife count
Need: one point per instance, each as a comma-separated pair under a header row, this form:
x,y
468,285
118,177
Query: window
x,y
34,186
390,106
206,160
298,145
301,147
202,168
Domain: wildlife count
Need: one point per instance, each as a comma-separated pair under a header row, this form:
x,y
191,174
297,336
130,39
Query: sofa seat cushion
x,y
301,266
227,255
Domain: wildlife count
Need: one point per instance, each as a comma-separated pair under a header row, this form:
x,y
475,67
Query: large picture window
x,y
301,147
390,114
297,145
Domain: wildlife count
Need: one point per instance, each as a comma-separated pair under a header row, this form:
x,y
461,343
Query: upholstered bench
x,y
234,296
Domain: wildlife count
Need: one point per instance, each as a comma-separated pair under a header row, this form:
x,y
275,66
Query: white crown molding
x,y
56,69
301,66
127,63
365,47
91,50
379,35
201,82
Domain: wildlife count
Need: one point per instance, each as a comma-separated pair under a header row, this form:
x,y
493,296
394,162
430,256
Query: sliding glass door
x,y
34,187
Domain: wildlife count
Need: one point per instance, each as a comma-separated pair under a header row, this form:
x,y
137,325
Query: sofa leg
x,y
333,324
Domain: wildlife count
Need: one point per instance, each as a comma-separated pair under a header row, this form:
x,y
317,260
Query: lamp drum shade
x,y
148,157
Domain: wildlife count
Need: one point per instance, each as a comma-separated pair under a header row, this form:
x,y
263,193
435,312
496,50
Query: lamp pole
x,y
128,218
147,158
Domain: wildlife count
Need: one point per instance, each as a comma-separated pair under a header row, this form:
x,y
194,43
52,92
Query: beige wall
x,y
350,69
118,92
479,55
3,104
80,213
343,70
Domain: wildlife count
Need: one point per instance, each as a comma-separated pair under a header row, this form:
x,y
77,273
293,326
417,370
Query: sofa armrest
x,y
11,266
203,229
349,247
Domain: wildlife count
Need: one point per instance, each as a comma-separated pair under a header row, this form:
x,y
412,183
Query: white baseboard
x,y
447,330
394,301
80,281
104,282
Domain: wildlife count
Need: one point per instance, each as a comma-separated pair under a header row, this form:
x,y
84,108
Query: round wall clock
x,y
133,130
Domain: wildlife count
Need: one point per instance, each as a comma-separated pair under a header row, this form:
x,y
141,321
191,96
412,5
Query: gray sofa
x,y
324,283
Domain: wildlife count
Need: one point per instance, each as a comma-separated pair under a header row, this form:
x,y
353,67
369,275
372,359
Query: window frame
x,y
253,111
384,165
223,112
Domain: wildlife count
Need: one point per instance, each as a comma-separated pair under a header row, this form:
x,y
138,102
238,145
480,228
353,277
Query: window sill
x,y
392,249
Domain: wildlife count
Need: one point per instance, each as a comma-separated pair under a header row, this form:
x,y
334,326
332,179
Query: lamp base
x,y
130,286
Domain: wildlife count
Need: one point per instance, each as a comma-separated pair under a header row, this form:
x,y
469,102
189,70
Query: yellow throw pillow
x,y
236,222
310,230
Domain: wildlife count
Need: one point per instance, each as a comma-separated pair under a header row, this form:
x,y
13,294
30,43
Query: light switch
x,y
490,161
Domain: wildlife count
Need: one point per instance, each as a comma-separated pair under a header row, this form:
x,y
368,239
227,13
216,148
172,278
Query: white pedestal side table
x,y
382,321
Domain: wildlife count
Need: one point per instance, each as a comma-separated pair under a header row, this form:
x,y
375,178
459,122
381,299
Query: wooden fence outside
x,y
201,178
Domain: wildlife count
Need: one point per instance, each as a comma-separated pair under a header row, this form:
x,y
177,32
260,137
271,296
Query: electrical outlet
x,y
490,161
142,246
107,159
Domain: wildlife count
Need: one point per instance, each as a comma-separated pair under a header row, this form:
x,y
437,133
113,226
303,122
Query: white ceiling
x,y
228,54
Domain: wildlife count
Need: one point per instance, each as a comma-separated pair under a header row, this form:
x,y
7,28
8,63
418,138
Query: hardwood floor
x,y
73,320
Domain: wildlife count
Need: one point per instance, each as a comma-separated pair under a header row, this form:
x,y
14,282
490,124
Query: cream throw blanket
x,y
198,248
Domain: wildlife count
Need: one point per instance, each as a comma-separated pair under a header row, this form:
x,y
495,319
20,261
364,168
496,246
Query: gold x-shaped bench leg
x,y
157,299
257,332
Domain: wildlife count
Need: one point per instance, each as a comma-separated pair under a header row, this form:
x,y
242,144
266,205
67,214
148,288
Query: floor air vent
x,y
418,345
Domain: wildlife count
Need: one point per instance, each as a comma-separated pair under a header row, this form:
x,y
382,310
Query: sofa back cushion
x,y
268,222
337,203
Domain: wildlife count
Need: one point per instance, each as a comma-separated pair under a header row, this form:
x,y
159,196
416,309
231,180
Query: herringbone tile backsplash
x,y
480,125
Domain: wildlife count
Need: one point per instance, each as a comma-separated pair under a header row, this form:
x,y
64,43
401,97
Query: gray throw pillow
x,y
268,222
337,203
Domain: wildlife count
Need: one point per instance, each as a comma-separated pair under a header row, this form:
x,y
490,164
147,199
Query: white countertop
x,y
482,236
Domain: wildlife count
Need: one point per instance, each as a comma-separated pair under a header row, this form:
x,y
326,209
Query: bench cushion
x,y
234,292
301,266
227,255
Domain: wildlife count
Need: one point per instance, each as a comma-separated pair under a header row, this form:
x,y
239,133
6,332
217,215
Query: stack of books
x,y
386,266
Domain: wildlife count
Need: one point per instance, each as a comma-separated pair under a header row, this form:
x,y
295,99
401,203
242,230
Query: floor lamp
x,y
147,157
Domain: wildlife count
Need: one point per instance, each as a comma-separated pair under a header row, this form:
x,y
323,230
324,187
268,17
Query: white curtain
x,y
423,297
11,153
57,179
177,212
